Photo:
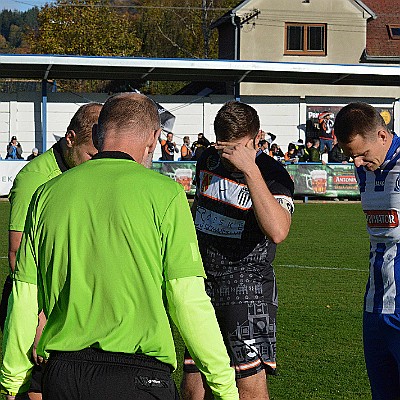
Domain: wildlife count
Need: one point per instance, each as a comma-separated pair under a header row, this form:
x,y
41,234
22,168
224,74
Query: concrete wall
x,y
284,116
263,38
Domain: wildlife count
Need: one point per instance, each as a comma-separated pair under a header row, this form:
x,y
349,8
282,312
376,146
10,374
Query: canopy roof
x,y
26,66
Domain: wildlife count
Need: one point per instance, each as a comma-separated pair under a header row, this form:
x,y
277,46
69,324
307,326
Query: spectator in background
x,y
168,148
306,151
14,150
299,148
314,154
199,146
263,146
34,154
276,152
186,151
336,155
291,154
326,131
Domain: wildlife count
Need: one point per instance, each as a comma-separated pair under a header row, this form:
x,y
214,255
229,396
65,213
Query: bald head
x,y
127,114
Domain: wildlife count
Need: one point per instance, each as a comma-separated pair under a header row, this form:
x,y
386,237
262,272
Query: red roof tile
x,y
379,42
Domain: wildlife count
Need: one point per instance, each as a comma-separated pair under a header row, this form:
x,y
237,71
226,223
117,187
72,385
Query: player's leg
x,y
35,389
253,387
193,386
381,363
392,322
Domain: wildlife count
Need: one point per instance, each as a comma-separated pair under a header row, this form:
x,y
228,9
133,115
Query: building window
x,y
394,31
305,39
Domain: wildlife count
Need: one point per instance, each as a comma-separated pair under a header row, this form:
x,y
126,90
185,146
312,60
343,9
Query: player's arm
x,y
188,303
21,322
273,219
14,241
193,314
19,331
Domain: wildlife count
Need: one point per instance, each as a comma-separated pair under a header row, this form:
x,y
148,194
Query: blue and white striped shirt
x,y
380,199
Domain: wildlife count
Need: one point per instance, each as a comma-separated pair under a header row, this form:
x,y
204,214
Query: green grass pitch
x,y
321,269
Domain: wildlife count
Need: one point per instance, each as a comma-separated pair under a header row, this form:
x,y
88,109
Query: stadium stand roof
x,y
27,66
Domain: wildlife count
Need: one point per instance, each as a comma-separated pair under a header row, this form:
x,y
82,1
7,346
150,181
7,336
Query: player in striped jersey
x,y
363,135
242,209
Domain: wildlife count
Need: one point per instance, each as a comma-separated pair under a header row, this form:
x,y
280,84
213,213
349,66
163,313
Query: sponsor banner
x,y
382,218
310,179
316,115
8,171
329,180
180,171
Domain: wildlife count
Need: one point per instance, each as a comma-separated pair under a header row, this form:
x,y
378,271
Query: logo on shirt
x,y
244,196
213,162
382,218
397,185
205,182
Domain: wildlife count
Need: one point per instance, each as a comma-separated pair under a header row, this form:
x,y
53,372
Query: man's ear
x,y
257,139
70,138
95,137
154,139
383,135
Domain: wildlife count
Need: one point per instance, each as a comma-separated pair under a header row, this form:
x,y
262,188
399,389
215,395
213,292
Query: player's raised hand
x,y
241,155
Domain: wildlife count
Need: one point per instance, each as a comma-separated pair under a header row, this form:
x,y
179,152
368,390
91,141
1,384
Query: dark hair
x,y
357,119
236,120
291,146
83,121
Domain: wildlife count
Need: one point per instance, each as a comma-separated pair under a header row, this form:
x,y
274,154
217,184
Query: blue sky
x,y
22,5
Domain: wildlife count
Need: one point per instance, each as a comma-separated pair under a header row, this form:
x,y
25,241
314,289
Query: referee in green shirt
x,y
73,149
107,269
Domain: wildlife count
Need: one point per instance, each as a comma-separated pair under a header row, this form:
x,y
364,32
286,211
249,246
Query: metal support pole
x,y
44,115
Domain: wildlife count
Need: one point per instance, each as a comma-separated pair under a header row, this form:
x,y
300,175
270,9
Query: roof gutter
x,y
367,9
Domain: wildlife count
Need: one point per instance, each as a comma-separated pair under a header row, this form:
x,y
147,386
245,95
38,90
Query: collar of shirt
x,y
113,154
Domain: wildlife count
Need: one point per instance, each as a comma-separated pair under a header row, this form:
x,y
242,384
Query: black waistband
x,y
98,355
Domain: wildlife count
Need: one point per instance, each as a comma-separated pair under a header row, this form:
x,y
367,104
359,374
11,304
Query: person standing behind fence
x,y
73,149
326,131
364,136
199,146
107,270
186,151
168,148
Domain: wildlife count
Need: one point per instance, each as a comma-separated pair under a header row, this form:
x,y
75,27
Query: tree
x,y
88,27
179,28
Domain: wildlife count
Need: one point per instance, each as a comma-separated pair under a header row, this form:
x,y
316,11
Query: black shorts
x,y
93,374
36,379
249,333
